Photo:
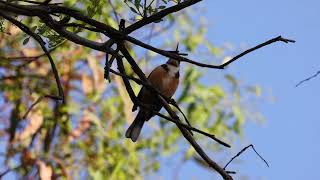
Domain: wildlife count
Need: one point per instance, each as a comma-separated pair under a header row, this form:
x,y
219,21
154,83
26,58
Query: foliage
x,y
85,137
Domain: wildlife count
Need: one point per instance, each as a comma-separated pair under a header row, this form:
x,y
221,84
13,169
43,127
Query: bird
x,y
164,78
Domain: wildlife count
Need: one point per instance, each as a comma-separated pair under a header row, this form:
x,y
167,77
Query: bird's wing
x,y
166,84
143,91
156,77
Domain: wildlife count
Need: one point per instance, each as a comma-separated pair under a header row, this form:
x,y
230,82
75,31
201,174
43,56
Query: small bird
x,y
164,78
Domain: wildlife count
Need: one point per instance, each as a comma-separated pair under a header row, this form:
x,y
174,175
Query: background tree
x,y
85,136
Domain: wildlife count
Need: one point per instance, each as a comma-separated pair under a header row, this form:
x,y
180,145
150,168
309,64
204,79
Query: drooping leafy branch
x,y
74,21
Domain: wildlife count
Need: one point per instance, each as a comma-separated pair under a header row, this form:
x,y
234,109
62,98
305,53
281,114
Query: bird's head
x,y
173,62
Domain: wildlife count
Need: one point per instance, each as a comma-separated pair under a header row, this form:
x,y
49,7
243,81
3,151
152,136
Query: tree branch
x,y
174,103
242,151
308,79
126,82
273,40
115,34
183,130
184,59
26,29
158,16
38,101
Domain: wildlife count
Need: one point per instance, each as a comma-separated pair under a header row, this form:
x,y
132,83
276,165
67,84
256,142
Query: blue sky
x,y
289,140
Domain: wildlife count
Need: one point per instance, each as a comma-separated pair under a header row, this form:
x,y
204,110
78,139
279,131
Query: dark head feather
x,y
173,62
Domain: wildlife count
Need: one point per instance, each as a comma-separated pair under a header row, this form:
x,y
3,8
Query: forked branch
x,y
28,31
242,151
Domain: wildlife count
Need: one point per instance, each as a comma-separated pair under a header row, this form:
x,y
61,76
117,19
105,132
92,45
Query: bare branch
x,y
108,62
190,128
38,101
184,59
308,79
30,59
83,26
9,169
26,29
158,16
243,150
276,39
174,103
126,82
114,11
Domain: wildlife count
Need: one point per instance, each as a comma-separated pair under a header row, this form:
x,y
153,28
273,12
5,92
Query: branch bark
x,y
43,12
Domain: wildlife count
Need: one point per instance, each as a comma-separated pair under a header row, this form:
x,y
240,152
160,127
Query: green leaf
x,y
133,10
25,41
232,80
190,152
255,89
137,3
1,25
33,29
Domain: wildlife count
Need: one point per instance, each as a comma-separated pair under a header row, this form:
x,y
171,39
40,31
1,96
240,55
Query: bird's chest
x,y
167,81
169,77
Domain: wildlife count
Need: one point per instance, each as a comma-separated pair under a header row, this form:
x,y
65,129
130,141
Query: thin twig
x,y
158,16
38,101
8,170
174,103
108,62
145,9
308,79
126,82
190,128
154,34
184,59
114,11
279,38
83,26
32,2
30,58
243,150
35,76
27,30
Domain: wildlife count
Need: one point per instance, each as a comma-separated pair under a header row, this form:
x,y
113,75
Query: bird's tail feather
x,y
134,130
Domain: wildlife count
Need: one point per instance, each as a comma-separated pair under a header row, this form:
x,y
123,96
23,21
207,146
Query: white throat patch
x,y
172,70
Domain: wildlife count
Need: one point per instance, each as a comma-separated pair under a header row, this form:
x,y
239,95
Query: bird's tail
x,y
134,130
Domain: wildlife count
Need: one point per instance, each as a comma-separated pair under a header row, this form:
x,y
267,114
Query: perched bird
x,y
164,78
